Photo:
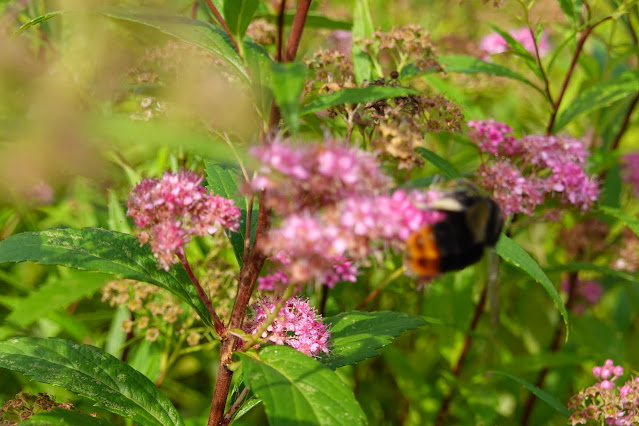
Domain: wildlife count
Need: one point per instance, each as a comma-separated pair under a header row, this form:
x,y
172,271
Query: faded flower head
x,y
170,210
494,43
25,405
297,325
605,402
523,173
335,209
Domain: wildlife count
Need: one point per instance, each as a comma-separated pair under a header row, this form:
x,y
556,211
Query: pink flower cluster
x,y
336,209
297,325
494,43
171,209
603,402
586,293
523,173
631,170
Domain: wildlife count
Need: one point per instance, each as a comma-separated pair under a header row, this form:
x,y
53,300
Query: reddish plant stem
x,y
479,309
194,9
250,271
217,322
571,69
280,30
555,345
541,67
296,30
222,22
625,123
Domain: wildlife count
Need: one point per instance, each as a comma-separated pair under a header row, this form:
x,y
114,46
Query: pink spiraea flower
x,y
603,402
523,173
335,209
630,167
586,293
494,43
170,210
297,325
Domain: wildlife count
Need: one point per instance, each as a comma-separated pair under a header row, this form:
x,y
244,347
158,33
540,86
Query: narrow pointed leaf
x,y
359,335
356,96
447,169
287,85
238,14
297,389
362,29
512,253
37,20
630,221
99,250
544,396
92,373
599,95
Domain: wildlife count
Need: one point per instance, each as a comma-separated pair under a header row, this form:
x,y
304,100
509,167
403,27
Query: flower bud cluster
x,y
172,209
25,405
524,173
297,325
605,402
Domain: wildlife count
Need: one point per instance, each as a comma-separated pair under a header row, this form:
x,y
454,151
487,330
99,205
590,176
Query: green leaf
x,y
603,270
512,253
297,389
37,20
356,96
92,373
96,249
54,295
117,214
362,29
630,221
358,335
198,33
287,85
471,65
260,65
238,15
313,20
544,396
62,417
447,169
599,95
572,10
223,181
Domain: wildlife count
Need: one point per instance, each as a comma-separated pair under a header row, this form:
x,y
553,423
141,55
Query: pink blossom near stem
x,y
523,173
170,210
630,170
586,294
297,325
494,43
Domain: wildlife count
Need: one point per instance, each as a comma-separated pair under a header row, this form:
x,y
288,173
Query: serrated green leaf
x,y
630,221
512,253
56,294
362,29
447,169
238,15
195,32
99,250
61,417
471,65
297,389
544,396
358,335
92,373
223,181
599,95
355,96
38,20
287,85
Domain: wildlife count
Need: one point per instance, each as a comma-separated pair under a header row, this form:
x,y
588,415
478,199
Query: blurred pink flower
x,y
494,43
298,325
171,209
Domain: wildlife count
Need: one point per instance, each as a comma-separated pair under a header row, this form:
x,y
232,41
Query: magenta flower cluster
x,y
494,43
335,208
603,402
170,210
524,173
630,167
297,325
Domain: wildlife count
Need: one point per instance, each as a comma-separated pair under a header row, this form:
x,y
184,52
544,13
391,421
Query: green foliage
x,y
298,389
355,96
238,14
92,373
95,249
288,82
61,417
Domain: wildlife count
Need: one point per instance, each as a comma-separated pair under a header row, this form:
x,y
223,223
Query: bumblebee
x,y
472,222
